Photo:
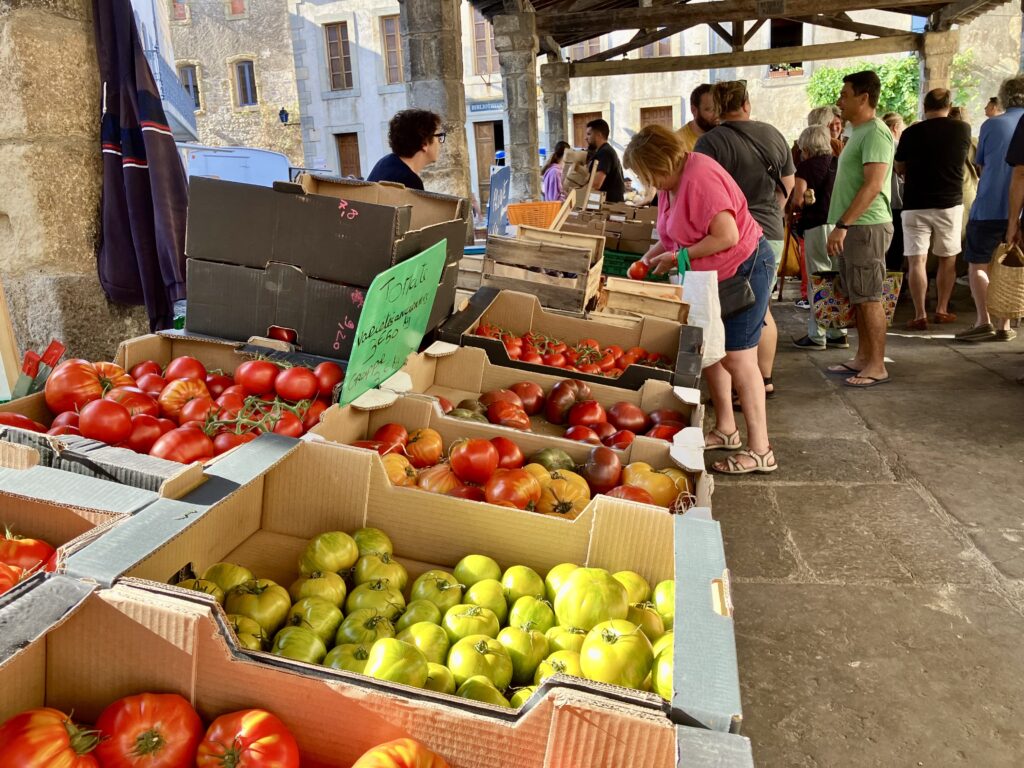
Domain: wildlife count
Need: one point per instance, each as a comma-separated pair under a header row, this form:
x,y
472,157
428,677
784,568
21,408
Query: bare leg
x,y
720,387
767,345
871,329
978,276
746,377
917,276
944,281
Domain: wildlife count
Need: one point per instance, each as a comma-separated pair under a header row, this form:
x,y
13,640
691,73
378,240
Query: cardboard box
x,y
55,650
263,502
639,247
647,213
611,241
637,230
520,312
616,210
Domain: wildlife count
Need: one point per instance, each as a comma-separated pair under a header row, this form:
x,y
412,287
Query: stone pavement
x,y
879,574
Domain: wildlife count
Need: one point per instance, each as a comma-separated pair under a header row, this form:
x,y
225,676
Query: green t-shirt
x,y
870,142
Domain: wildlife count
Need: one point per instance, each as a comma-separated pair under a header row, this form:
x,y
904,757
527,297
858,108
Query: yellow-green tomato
x,y
558,663
637,588
465,620
249,633
520,581
316,614
588,597
204,586
365,626
532,613
522,695
330,586
439,678
299,643
397,662
480,688
417,611
527,648
648,619
555,578
665,602
372,540
474,568
333,551
661,675
480,655
260,599
489,593
227,576
350,657
617,652
663,642
429,638
380,595
565,638
380,565
439,587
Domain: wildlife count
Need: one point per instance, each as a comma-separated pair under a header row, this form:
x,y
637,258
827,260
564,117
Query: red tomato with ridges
x,y
46,737
76,382
250,737
446,404
620,440
516,487
150,730
604,429
178,392
134,399
424,448
391,434
183,445
500,395
508,414
295,384
438,479
10,575
563,396
468,492
602,469
185,368
400,753
106,421
23,553
510,455
625,415
631,493
666,430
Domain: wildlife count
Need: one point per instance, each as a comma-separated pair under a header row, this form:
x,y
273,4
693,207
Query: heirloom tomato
x,y
424,448
397,662
480,688
178,392
602,469
417,611
662,643
530,395
506,414
333,551
620,440
10,575
25,553
432,640
487,399
637,588
44,737
155,730
320,616
227,576
134,399
75,382
630,493
645,617
661,674
661,487
262,600
379,595
392,434
480,655
249,633
558,663
473,460
299,643
473,568
519,581
206,587
582,434
563,498
588,597
565,638
532,612
522,695
380,565
490,594
372,541
617,652
350,657
440,679
515,486
464,620
439,587
665,601
152,384
250,737
438,479
526,648
555,578
552,459
364,626
563,396
587,413
326,585
509,454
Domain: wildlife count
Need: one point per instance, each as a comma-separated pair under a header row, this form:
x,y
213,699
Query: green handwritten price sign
x,y
393,320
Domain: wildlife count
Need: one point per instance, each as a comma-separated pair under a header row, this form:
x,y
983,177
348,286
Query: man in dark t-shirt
x,y
609,178
931,156
415,137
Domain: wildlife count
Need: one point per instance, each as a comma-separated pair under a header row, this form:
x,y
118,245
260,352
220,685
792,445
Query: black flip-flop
x,y
872,381
844,370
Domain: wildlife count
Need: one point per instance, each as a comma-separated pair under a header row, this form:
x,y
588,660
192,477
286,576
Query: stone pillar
x,y
515,38
433,33
554,83
937,59
50,164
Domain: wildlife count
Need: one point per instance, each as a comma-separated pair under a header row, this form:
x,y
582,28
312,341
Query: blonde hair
x,y
729,96
654,152
893,120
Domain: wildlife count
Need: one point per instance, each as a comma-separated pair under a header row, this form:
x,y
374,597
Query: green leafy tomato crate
x,y
616,263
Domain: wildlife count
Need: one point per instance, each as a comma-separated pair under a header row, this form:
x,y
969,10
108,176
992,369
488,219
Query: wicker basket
x,y
1006,282
534,214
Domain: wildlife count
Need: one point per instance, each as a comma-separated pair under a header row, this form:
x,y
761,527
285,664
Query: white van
x,y
244,164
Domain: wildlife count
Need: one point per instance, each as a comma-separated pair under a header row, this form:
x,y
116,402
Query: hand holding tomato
x,y
638,270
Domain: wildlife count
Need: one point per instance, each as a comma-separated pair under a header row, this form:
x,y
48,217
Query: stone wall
x,y
994,41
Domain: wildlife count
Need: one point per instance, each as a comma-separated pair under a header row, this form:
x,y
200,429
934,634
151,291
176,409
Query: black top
x,y
820,174
392,168
614,186
1015,152
935,151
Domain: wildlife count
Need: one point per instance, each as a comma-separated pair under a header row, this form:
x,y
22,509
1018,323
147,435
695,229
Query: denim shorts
x,y
743,331
983,237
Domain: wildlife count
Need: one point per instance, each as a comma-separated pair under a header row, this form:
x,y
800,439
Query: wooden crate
x,y
643,298
470,268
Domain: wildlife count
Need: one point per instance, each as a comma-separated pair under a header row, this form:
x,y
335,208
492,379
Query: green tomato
x,y
439,587
558,663
350,657
532,613
330,586
527,648
262,600
379,595
227,576
417,611
439,678
617,652
637,588
333,551
365,626
372,541
645,617
249,633
663,642
480,688
204,586
299,643
465,620
520,697
316,614
489,593
565,638
665,602
397,662
465,413
661,675
474,568
589,597
429,638
552,459
380,566
520,581
480,655
556,578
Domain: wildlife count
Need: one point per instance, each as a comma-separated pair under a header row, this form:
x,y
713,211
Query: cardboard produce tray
x,y
263,502
520,312
64,644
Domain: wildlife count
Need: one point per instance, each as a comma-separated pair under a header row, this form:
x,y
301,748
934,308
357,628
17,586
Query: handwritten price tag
x,y
346,211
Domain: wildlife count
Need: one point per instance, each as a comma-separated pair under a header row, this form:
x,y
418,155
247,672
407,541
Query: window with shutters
x,y
485,56
188,74
392,46
339,56
587,48
245,84
348,154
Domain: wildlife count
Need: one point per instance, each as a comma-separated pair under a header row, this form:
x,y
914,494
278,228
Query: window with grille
x,y
245,83
485,54
392,45
587,48
339,56
190,81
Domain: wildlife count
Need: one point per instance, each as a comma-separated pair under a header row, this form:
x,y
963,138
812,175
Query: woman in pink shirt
x,y
702,211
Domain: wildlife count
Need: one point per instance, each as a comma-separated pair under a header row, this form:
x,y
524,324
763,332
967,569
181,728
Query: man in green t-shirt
x,y
861,213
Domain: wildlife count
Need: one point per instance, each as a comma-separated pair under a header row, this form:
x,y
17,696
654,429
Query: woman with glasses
x,y
415,136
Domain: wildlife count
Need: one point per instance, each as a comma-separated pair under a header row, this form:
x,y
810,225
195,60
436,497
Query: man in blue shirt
x,y
989,215
415,137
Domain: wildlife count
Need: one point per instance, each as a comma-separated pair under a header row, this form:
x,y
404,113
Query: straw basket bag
x,y
1006,282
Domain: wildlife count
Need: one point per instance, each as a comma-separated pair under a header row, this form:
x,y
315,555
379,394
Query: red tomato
x,y
178,392
278,333
257,376
183,445
508,415
438,479
625,361
625,415
473,461
392,434
555,359
666,430
400,753
631,493
602,469
152,384
166,425
500,395
10,575
588,344
67,429
250,737
237,389
638,270
590,368
185,368
288,424
68,418
607,362
216,383
530,395
21,422
582,434
230,405
620,440
531,357
134,399
154,730
614,350
424,448
587,413
74,383
312,415
198,409
328,375
513,486
26,554
563,396
146,430
225,441
106,421
46,737
468,492
510,456
147,366
667,414
446,404
603,429
295,384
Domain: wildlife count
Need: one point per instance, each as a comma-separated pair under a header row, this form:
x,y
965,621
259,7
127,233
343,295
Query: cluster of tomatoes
x,y
585,356
497,472
20,557
183,412
478,632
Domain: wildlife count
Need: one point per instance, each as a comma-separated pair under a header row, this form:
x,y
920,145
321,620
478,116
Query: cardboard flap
x,y
688,449
399,383
441,349
698,747
49,600
688,395
375,399
14,456
72,490
174,620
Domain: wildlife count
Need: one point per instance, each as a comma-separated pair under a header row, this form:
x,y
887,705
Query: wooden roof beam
x,y
639,40
754,29
844,23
